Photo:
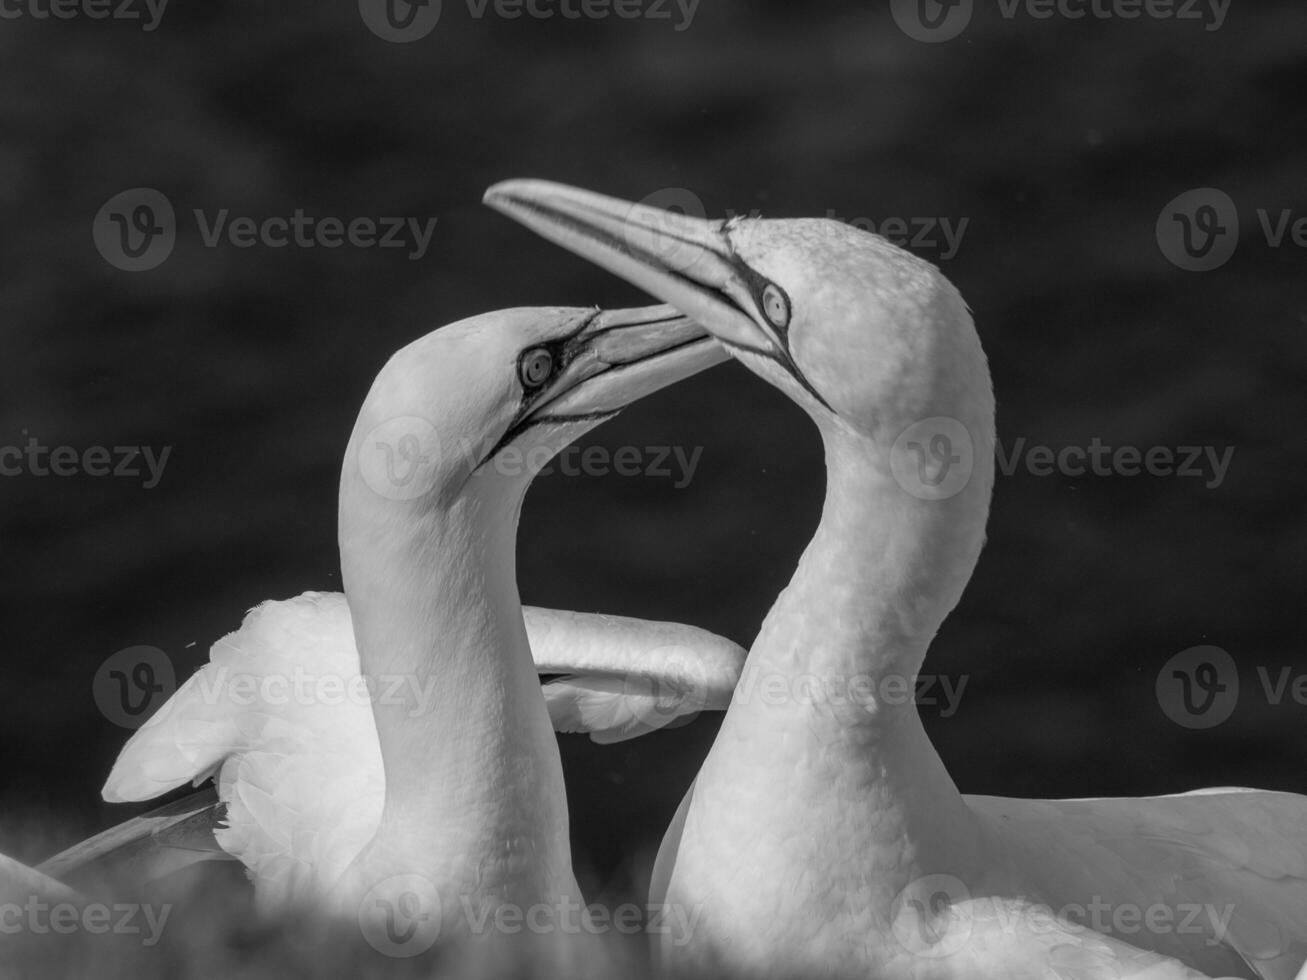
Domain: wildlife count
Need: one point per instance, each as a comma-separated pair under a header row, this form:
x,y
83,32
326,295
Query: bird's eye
x,y
535,367
776,305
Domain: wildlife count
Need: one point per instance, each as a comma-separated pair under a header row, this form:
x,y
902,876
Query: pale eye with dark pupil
x,y
775,306
535,367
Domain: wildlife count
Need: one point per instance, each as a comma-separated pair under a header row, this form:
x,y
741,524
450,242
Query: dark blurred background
x,y
1060,141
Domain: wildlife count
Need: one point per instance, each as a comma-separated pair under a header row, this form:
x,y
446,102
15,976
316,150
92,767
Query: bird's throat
x,y
472,770
826,697
883,570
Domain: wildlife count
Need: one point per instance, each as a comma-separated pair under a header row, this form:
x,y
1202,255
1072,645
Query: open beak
x,y
681,259
614,358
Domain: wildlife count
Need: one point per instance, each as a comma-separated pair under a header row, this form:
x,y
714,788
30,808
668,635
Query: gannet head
x,y
857,331
478,407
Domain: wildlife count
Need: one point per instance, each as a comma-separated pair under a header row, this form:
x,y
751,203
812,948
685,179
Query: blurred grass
x,y
1059,141
201,924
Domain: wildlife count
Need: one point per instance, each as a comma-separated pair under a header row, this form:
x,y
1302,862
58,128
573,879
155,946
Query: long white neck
x,y
825,697
882,571
474,789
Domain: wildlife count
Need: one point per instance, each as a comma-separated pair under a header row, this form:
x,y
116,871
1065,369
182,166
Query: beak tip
x,y
506,194
498,195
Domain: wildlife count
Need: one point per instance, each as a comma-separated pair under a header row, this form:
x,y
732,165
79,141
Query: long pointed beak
x,y
620,356
681,259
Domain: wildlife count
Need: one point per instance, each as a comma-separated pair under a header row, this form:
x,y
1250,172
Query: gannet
x,y
446,768
823,836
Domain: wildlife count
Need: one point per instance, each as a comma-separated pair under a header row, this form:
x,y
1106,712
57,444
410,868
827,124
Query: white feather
x,y
302,777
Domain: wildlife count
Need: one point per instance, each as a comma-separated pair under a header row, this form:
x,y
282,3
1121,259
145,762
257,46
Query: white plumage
x,y
445,772
281,718
825,838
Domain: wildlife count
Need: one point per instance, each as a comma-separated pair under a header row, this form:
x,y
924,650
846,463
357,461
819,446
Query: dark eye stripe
x,y
761,289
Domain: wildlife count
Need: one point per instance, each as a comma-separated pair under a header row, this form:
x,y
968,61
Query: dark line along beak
x,y
683,260
614,358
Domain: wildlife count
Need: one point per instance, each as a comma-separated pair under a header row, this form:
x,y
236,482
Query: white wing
x,y
1020,941
1231,862
281,717
626,677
